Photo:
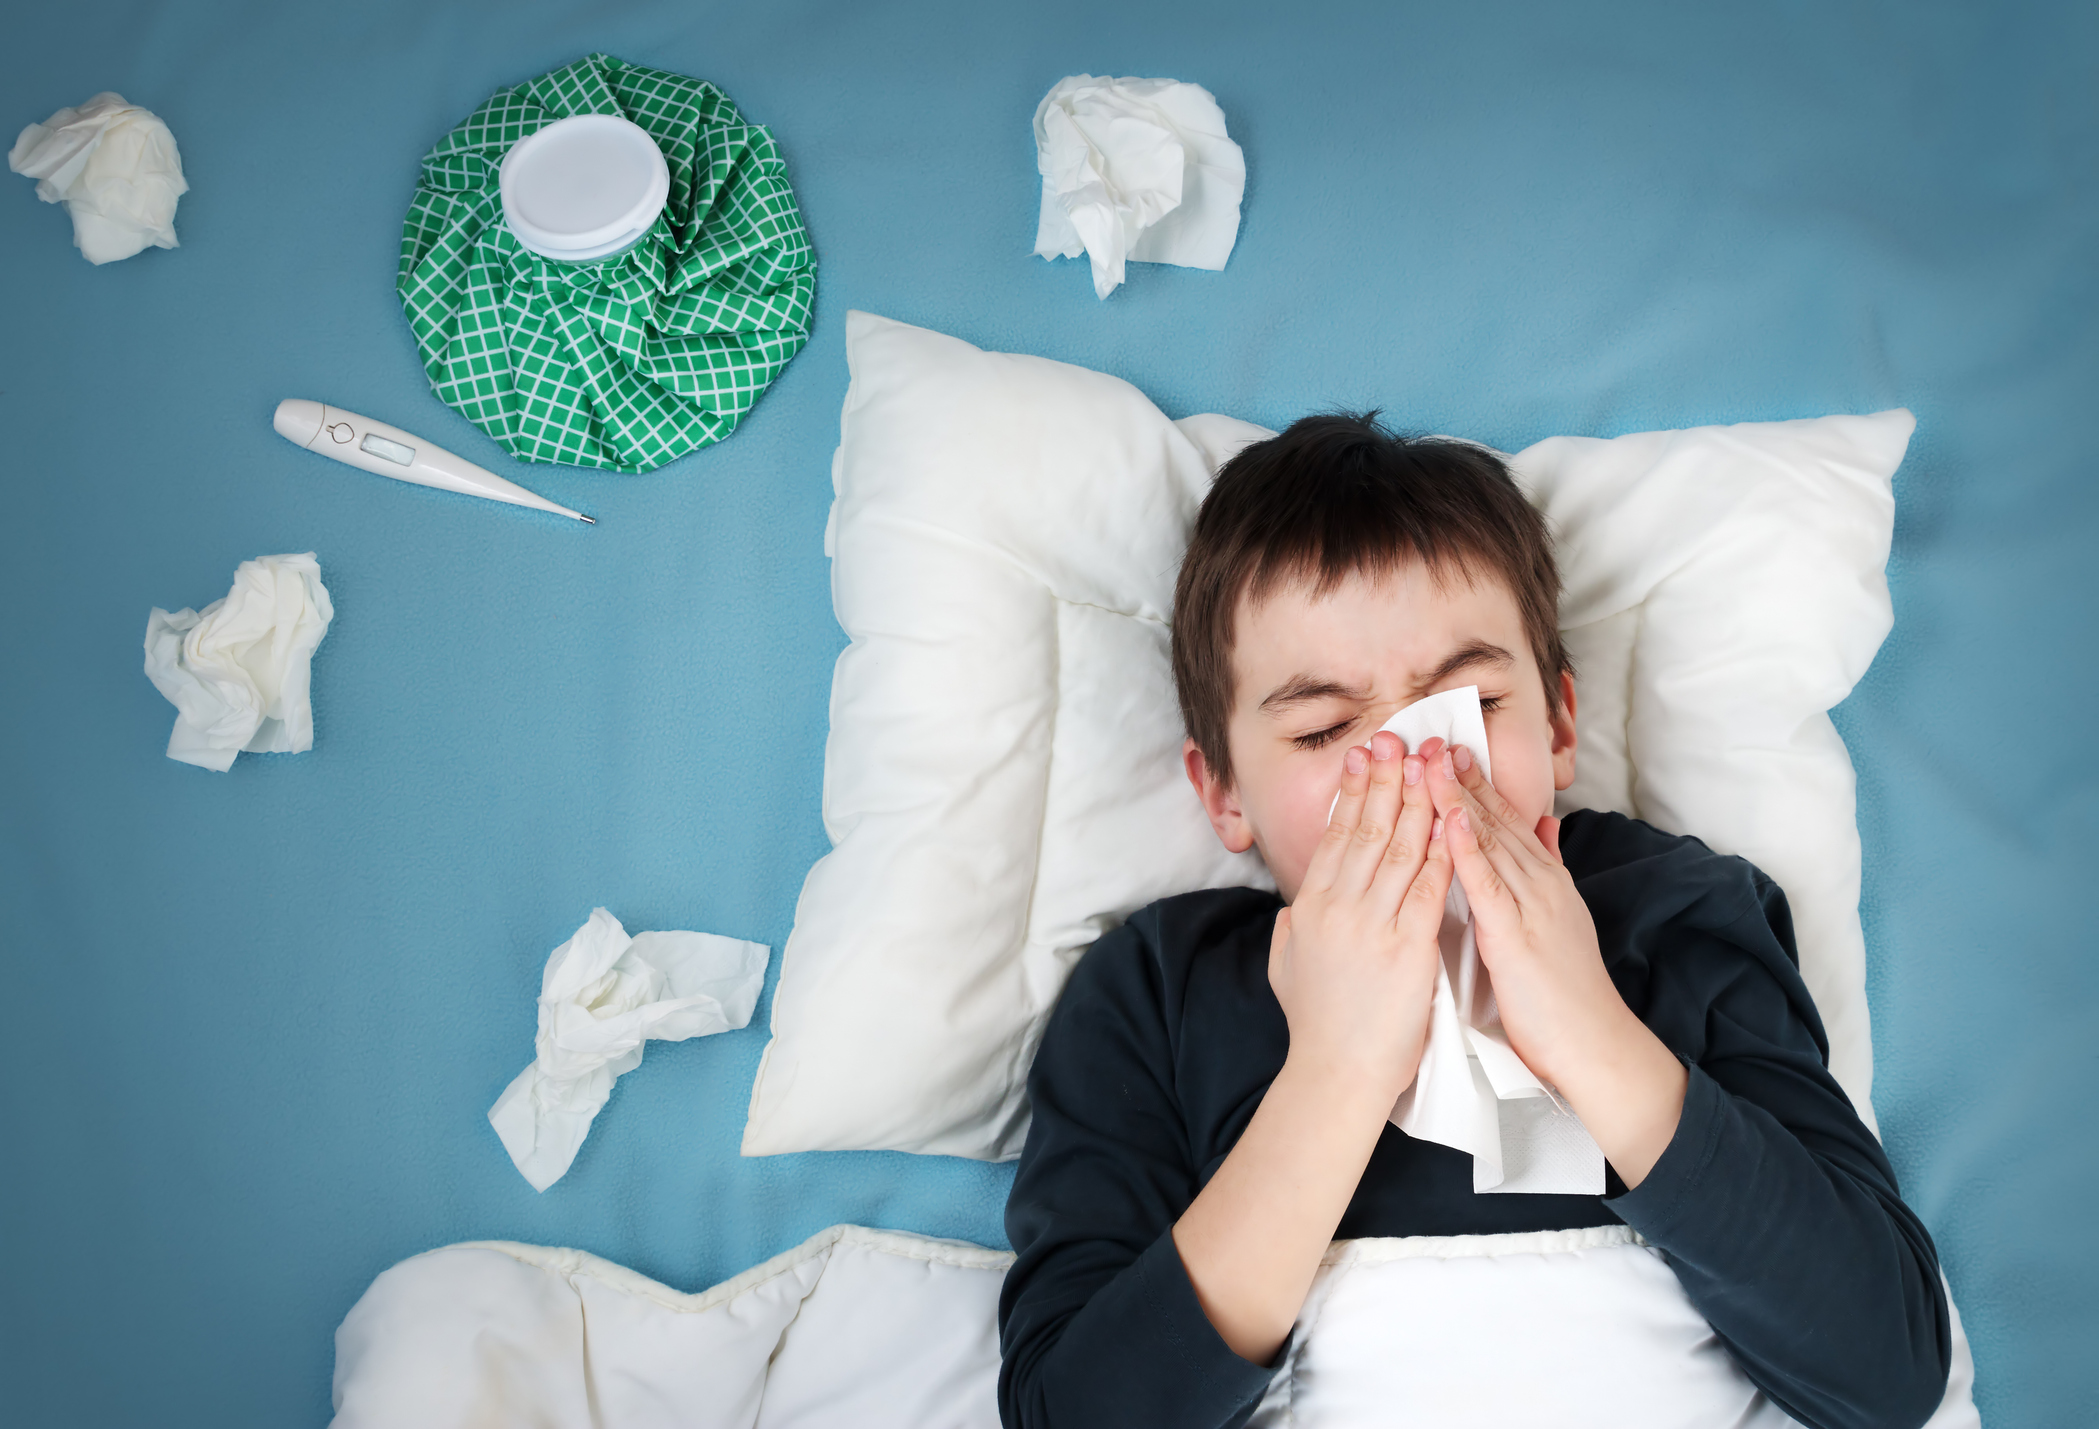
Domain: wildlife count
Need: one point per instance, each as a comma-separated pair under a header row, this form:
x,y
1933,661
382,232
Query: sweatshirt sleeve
x,y
1099,1326
1775,1205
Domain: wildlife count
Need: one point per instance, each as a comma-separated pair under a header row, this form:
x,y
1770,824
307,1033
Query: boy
x,y
1211,1093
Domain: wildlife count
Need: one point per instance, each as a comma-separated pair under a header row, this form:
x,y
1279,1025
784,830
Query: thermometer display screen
x,y
392,451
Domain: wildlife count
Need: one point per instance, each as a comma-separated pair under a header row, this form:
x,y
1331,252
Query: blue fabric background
x,y
253,1021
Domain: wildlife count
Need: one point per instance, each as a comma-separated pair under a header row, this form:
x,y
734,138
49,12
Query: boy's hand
x,y
1353,960
1535,933
1563,1014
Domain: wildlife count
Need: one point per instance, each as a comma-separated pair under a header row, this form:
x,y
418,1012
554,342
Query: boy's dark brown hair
x,y
1338,495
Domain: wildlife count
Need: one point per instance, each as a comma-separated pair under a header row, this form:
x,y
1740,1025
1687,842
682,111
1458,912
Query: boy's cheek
x,y
1289,825
1309,812
1525,780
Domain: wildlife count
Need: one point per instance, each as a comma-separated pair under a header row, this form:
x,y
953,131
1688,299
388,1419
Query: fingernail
x,y
1378,751
1435,830
1356,760
1411,771
1463,758
1464,819
1449,772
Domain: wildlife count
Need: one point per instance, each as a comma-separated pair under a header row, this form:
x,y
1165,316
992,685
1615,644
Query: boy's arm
x,y
1097,1322
1353,964
1746,1167
1134,1299
1782,1221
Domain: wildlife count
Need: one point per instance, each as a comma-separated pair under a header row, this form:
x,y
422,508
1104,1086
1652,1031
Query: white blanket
x,y
867,1329
1578,1329
853,1327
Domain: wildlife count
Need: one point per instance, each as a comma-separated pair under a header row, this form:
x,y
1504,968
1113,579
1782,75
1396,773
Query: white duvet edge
x,y
572,1264
1379,1250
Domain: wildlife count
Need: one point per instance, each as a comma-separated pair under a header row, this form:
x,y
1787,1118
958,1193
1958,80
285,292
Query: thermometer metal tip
x,y
388,451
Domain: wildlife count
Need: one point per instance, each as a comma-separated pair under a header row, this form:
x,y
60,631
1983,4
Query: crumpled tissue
x,y
1472,1092
604,994
240,671
1136,169
116,169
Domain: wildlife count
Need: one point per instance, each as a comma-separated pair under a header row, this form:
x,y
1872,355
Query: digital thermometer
x,y
389,451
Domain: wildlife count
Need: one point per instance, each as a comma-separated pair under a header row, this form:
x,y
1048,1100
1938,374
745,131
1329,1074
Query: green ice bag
x,y
633,360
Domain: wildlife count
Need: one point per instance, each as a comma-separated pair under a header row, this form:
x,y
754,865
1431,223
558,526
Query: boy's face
x,y
1314,677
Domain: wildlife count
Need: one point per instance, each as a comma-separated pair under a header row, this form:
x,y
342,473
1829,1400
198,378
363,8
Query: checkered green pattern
x,y
636,360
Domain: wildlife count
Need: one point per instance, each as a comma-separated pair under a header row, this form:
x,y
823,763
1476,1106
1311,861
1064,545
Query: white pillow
x,y
1003,726
1725,588
1002,782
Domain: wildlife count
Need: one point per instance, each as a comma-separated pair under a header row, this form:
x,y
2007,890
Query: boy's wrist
x,y
1628,1088
1351,1089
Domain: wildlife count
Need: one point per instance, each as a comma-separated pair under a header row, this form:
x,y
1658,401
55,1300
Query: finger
x,y
1549,837
1410,839
1340,820
1277,941
1485,888
1421,911
1515,868
1373,832
1487,799
1515,864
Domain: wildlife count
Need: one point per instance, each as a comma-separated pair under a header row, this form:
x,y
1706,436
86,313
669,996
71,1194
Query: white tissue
x,y
604,994
1472,1092
116,169
1137,169
239,672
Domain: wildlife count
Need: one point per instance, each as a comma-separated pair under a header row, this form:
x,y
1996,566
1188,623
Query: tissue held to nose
x,y
1472,1092
239,672
604,994
1136,169
116,169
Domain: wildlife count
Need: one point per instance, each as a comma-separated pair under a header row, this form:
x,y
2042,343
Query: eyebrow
x,y
1303,689
1473,652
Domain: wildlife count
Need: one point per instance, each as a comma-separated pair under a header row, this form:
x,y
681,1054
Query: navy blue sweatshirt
x,y
1773,1203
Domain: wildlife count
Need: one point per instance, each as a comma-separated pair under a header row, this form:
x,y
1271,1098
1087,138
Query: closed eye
x,y
1319,737
1322,736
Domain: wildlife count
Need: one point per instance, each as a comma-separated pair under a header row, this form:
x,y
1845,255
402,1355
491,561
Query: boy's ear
x,y
1220,800
1563,734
